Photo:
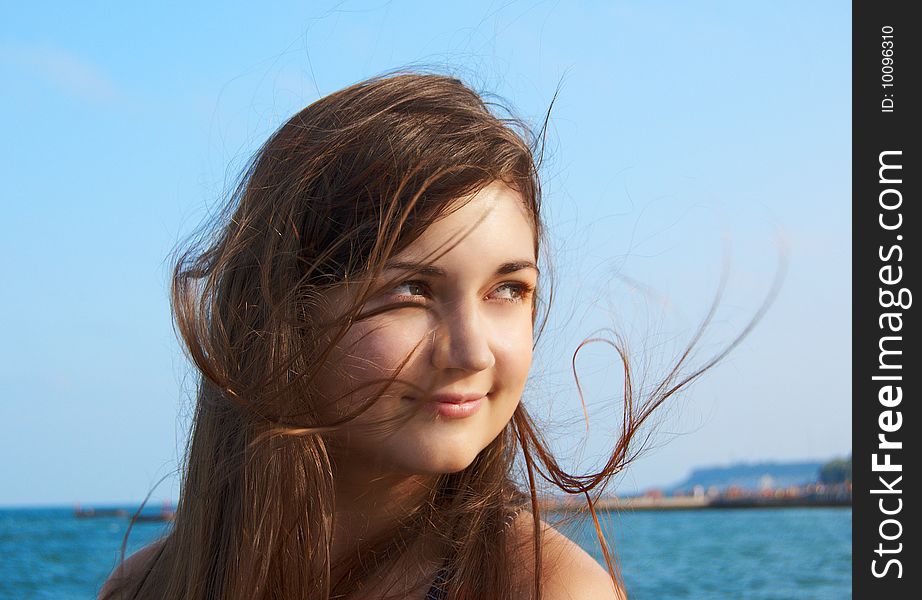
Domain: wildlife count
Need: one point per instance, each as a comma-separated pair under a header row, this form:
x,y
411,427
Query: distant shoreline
x,y
647,503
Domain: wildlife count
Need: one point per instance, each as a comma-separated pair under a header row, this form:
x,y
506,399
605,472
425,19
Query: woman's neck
x,y
369,501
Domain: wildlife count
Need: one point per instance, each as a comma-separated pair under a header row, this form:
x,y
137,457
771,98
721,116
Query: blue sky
x,y
680,130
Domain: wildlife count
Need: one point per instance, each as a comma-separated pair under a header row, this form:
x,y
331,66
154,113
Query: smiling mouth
x,y
455,405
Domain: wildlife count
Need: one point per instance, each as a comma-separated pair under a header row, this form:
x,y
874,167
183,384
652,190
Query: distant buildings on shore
x,y
813,495
827,484
166,513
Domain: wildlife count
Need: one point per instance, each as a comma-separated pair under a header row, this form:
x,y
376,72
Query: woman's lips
x,y
455,405
456,410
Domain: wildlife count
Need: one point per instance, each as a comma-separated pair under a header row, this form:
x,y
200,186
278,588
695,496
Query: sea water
x,y
757,554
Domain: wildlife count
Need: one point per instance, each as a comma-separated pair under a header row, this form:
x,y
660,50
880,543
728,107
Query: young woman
x,y
363,318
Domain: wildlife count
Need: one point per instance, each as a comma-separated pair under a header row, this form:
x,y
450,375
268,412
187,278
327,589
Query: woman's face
x,y
472,347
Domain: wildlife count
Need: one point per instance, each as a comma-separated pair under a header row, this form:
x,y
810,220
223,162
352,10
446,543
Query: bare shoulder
x,y
568,571
131,567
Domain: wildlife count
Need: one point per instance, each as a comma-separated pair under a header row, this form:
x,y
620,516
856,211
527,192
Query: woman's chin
x,y
442,463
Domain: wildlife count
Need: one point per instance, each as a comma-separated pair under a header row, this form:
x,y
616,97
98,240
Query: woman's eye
x,y
410,288
513,292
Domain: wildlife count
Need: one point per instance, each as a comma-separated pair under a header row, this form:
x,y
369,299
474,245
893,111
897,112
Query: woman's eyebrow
x,y
433,271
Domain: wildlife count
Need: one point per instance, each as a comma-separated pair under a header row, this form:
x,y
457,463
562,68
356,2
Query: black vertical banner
x,y
885,274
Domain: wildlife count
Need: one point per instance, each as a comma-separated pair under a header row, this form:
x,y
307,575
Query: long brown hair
x,y
343,185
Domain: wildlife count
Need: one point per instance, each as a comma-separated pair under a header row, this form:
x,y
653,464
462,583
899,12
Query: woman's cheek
x,y
382,345
513,347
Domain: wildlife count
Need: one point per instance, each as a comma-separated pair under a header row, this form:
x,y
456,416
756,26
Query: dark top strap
x,y
438,591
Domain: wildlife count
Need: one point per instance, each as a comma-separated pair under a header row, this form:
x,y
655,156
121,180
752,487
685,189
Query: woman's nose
x,y
462,341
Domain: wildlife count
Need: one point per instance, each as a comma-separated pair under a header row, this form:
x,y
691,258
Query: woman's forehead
x,y
494,222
